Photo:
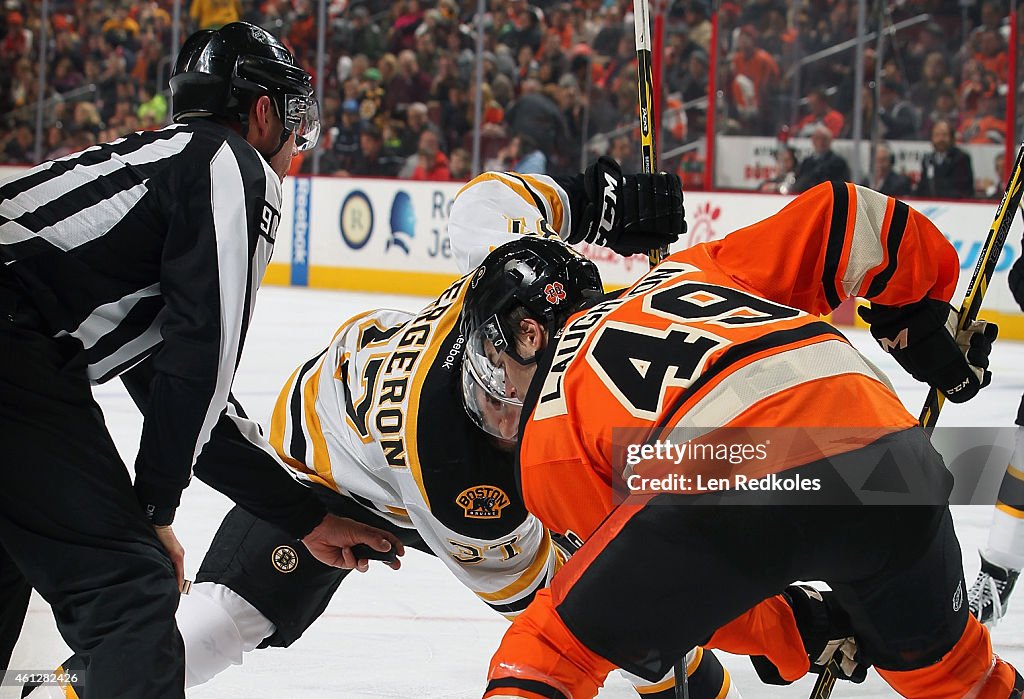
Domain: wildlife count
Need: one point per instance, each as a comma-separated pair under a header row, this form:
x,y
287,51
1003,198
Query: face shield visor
x,y
487,391
301,116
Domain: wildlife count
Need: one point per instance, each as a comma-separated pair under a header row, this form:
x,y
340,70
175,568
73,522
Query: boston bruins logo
x,y
482,502
285,559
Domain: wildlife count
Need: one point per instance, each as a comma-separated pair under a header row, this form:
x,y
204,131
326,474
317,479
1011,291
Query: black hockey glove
x,y
1016,281
827,633
629,213
920,336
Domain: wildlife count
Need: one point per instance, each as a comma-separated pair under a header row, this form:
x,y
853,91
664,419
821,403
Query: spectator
x,y
786,165
899,118
755,75
608,37
407,17
459,165
934,78
535,114
17,42
456,115
944,110
625,152
527,30
696,16
992,54
946,172
18,147
931,38
883,178
519,151
975,83
528,158
364,36
65,76
430,163
121,29
214,14
819,113
409,85
986,126
823,165
152,111
416,122
345,143
371,161
992,187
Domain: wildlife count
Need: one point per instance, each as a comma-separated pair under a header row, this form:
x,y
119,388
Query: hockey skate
x,y
990,593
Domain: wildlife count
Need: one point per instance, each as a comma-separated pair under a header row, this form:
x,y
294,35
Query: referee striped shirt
x,y
153,244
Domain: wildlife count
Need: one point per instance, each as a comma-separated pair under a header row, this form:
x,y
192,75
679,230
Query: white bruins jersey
x,y
378,416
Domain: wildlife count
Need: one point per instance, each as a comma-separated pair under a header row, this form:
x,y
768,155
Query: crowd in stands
x,y
559,78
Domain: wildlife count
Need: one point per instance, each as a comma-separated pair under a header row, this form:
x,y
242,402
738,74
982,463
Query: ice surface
x,y
418,633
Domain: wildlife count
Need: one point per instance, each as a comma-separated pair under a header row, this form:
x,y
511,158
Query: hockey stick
x,y
645,85
983,271
649,164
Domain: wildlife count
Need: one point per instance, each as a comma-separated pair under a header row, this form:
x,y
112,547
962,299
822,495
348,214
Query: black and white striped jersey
x,y
153,244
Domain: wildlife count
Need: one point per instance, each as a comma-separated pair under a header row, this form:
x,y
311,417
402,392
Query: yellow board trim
x,y
525,579
1015,472
1012,511
278,273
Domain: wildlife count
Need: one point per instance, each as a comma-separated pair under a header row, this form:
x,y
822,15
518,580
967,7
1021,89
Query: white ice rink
x,y
417,633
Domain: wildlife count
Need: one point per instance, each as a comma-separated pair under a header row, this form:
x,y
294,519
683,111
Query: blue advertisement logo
x,y
300,232
403,222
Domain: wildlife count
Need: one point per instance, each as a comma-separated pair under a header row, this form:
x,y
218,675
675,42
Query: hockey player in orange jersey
x,y
720,341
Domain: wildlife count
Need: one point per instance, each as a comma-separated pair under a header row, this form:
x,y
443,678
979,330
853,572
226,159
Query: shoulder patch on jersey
x,y
285,559
482,502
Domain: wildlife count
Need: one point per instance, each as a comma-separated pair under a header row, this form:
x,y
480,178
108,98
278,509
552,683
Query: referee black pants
x,y
70,523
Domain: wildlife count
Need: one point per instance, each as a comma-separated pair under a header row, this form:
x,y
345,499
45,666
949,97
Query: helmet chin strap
x,y
285,135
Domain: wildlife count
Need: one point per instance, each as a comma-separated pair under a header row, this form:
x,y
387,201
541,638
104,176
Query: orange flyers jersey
x,y
726,334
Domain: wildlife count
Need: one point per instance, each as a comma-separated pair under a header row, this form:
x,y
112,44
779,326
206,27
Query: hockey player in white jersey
x,y
1003,557
375,423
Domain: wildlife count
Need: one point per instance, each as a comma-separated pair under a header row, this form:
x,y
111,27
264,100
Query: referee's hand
x,y
174,550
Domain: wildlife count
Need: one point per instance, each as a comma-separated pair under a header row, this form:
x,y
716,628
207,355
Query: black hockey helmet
x,y
534,277
219,72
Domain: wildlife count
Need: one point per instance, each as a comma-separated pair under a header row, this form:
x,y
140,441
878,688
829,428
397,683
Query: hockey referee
x,y
141,258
